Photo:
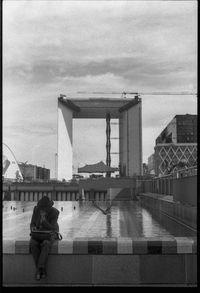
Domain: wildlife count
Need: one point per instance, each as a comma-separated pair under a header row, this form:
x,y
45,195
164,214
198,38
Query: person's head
x,y
45,203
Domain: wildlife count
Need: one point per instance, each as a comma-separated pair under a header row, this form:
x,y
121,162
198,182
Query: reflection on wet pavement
x,y
83,219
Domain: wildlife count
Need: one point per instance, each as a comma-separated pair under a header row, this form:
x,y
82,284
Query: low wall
x,y
60,191
185,190
97,261
21,191
186,214
105,183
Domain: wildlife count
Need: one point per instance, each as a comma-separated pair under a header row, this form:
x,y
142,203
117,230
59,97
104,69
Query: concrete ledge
x,y
97,261
102,269
111,246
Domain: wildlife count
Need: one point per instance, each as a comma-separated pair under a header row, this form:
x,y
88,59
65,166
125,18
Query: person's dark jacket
x,y
51,218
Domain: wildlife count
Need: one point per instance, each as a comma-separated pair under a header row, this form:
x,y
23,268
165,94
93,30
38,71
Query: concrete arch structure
x,y
127,110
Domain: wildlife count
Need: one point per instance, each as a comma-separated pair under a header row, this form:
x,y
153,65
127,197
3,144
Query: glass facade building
x,y
176,143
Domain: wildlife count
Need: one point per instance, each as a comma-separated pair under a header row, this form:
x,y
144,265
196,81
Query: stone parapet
x,y
97,262
185,213
112,246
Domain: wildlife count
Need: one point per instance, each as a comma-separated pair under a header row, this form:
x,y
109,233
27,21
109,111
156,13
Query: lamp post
x,y
108,144
56,166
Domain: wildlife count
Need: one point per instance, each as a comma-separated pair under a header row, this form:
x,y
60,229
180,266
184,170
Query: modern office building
x,y
32,172
128,113
182,129
176,143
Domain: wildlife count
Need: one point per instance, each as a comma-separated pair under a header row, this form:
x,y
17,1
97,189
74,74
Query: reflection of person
x,y
44,217
106,211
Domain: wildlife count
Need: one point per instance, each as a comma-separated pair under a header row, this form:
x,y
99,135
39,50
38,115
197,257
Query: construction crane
x,y
140,93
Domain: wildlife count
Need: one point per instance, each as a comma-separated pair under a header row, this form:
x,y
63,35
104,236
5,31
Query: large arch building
x,y
127,110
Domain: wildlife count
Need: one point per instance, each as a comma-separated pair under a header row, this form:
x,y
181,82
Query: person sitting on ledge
x,y
44,218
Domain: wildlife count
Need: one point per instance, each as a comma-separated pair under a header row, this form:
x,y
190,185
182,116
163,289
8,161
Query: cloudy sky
x,y
53,47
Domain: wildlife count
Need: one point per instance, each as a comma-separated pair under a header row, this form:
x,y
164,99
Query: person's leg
x,y
45,249
35,250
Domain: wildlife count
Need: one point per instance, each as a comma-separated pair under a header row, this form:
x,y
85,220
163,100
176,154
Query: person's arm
x,y
33,224
53,224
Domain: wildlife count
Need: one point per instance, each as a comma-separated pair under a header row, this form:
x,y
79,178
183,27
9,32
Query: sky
x,y
63,47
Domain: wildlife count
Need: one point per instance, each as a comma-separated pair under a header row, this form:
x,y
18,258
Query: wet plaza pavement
x,y
83,219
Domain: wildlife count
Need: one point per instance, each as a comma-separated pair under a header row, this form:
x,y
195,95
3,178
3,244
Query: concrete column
x,y
59,196
97,196
92,194
12,195
82,193
16,196
123,143
68,196
40,195
26,196
102,196
49,194
65,116
36,194
106,196
22,196
73,196
64,196
31,196
53,195
130,135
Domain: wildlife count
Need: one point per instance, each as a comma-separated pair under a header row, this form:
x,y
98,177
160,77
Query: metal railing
x,y
164,184
191,171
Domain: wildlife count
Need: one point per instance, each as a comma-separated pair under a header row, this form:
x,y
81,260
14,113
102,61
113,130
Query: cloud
x,y
38,31
30,130
141,71
142,45
53,47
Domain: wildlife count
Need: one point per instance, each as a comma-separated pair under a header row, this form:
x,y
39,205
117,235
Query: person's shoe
x,y
37,275
43,273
